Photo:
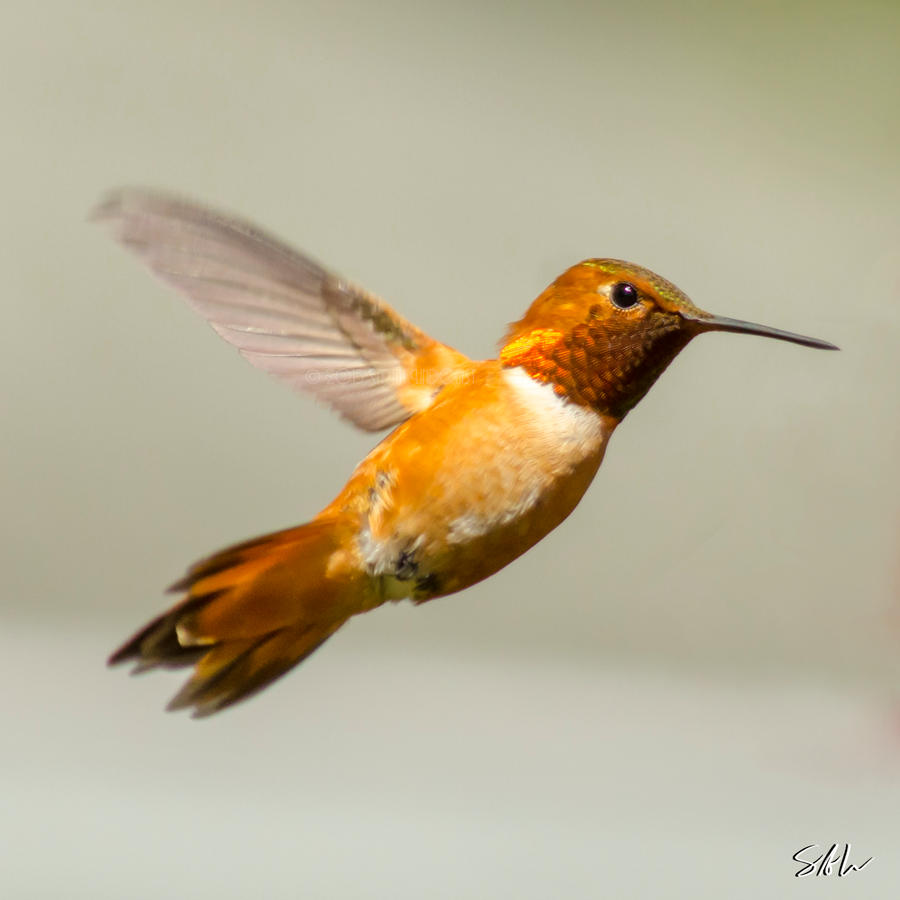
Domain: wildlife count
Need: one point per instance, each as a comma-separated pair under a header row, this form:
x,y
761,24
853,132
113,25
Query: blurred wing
x,y
285,313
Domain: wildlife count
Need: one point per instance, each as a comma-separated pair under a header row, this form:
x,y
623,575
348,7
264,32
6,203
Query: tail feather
x,y
243,552
156,644
239,669
252,612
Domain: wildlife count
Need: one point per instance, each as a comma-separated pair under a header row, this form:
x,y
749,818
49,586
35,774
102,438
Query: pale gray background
x,y
691,679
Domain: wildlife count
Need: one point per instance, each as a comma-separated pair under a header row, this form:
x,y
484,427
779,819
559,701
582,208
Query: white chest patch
x,y
579,430
553,436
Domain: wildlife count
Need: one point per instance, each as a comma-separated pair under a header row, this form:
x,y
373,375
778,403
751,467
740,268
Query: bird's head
x,y
605,330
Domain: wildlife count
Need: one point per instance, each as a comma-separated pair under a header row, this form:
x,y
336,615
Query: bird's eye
x,y
623,294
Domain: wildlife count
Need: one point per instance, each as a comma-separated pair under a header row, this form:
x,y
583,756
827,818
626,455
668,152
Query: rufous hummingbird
x,y
484,459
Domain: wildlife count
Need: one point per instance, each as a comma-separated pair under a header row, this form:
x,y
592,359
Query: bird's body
x,y
484,460
462,489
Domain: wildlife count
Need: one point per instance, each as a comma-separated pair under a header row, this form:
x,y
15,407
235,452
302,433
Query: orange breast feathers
x,y
453,495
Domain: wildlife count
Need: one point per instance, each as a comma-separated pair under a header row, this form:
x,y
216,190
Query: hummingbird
x,y
483,460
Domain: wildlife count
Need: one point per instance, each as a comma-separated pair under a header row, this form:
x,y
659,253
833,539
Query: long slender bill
x,y
723,323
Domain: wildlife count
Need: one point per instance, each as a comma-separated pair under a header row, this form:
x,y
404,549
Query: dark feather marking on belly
x,y
406,568
426,588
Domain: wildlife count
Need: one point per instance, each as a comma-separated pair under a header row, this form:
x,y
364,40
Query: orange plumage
x,y
484,460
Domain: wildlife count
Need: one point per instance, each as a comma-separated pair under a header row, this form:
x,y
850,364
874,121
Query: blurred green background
x,y
691,679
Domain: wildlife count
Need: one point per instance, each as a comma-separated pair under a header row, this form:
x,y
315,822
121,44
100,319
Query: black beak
x,y
706,322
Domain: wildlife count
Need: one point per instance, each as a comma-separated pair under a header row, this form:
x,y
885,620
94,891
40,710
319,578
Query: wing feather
x,y
284,312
